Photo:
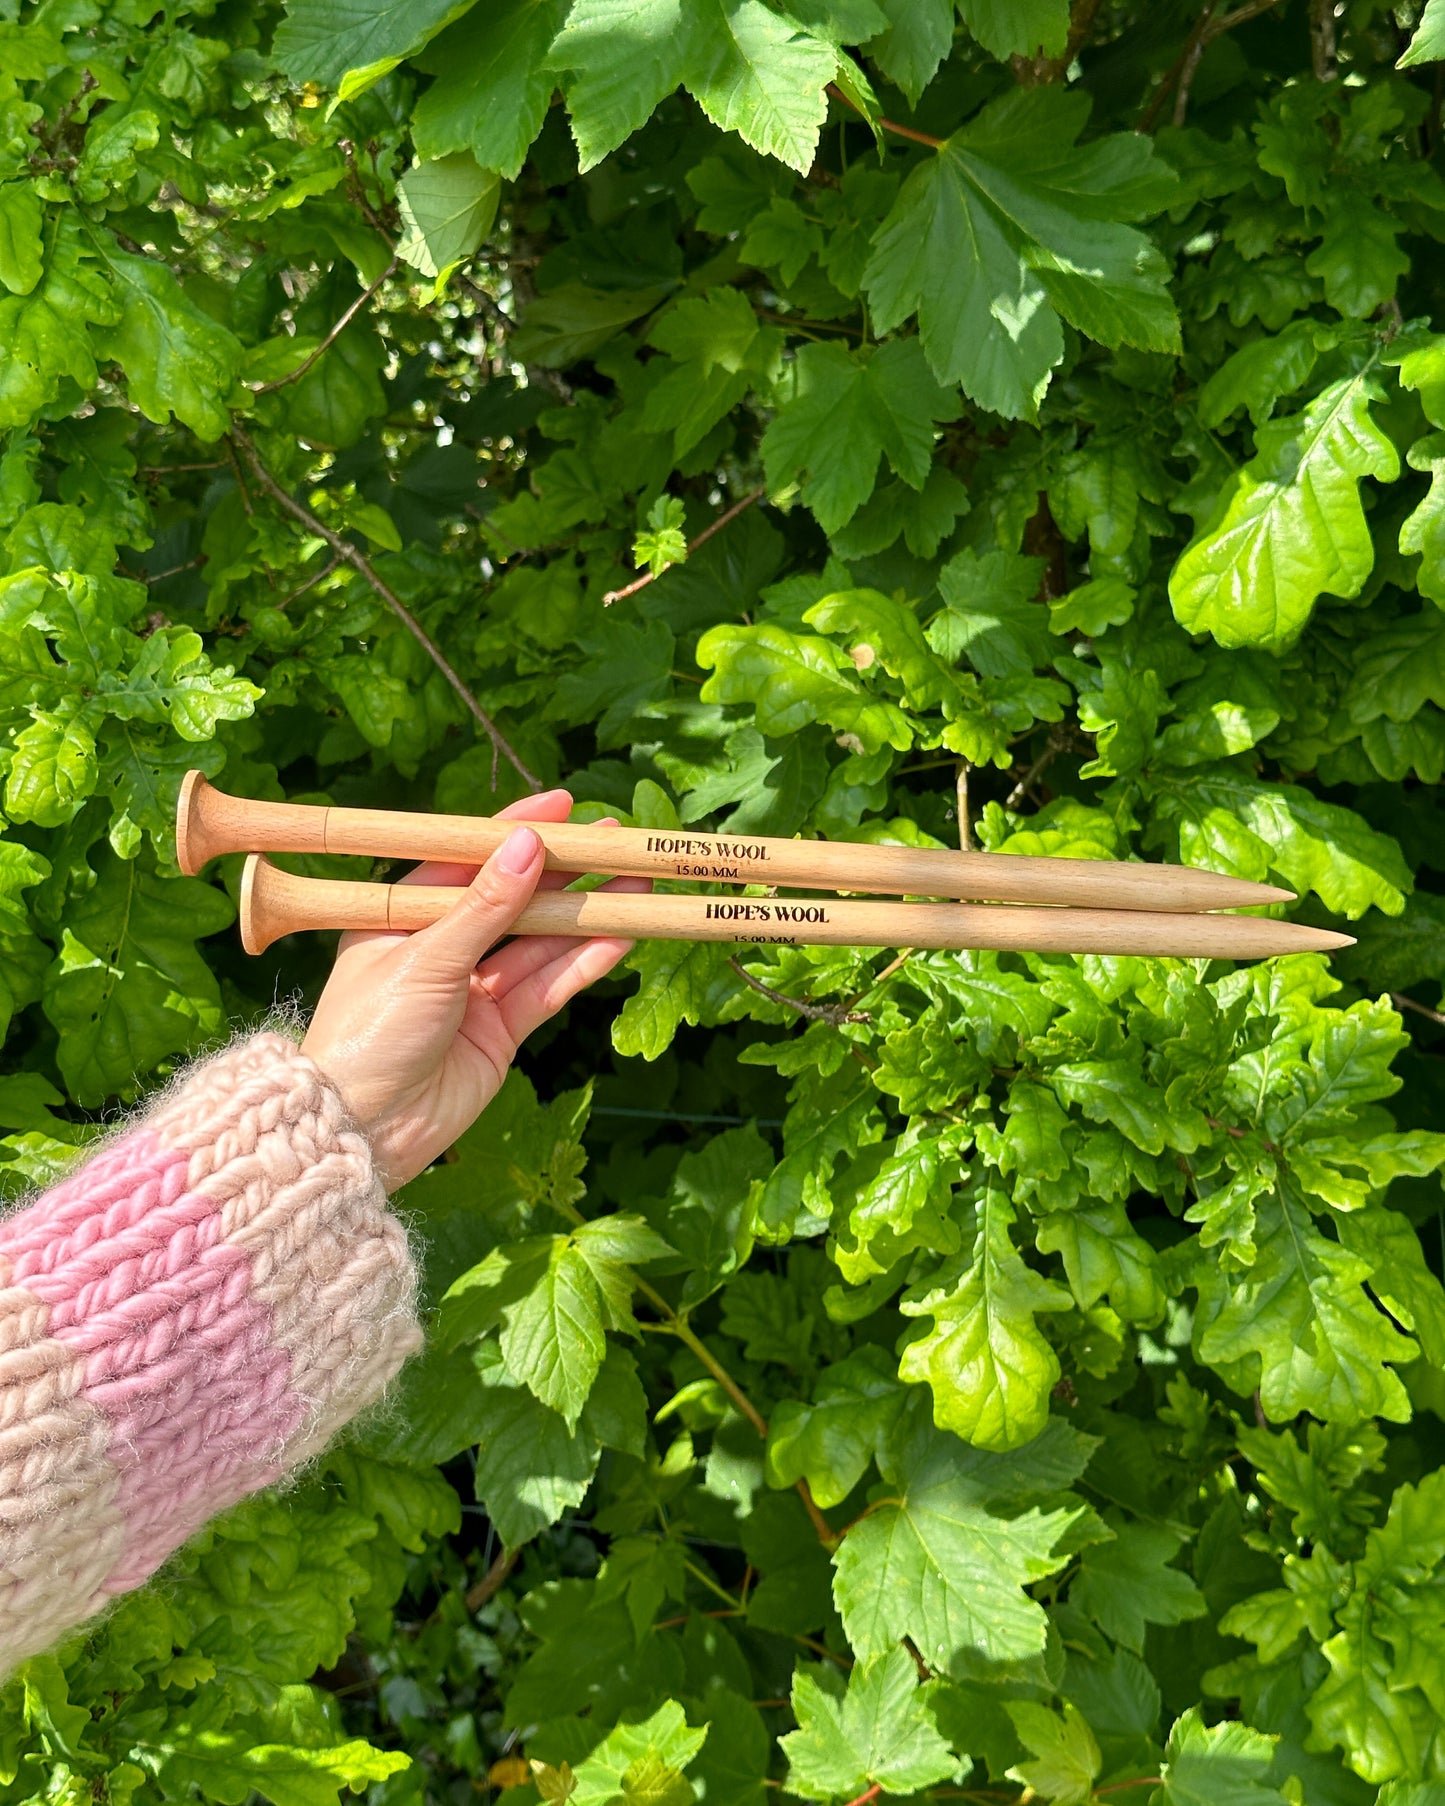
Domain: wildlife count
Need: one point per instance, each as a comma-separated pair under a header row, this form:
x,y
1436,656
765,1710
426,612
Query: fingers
x,y
540,995
451,947
437,871
529,953
547,805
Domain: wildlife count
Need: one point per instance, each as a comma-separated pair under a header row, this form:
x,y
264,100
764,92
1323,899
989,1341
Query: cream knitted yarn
x,y
196,1310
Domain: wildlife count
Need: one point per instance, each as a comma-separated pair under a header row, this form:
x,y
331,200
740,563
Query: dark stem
x,y
493,1580
833,1013
1322,39
1420,1009
341,325
889,125
349,554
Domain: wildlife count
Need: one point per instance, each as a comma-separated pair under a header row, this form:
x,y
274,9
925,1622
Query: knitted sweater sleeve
x,y
195,1311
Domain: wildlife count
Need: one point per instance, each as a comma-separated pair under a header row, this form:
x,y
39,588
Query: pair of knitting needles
x,y
1023,904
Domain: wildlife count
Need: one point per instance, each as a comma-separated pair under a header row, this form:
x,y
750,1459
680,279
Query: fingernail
x,y
519,849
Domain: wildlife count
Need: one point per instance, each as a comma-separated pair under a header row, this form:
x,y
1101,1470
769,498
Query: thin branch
x,y
834,1013
310,583
1180,76
1052,748
344,550
493,1580
165,470
888,125
236,471
341,325
1322,39
960,790
175,570
1420,1009
723,520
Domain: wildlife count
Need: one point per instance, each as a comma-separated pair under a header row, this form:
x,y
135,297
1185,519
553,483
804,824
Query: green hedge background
x,y
964,1376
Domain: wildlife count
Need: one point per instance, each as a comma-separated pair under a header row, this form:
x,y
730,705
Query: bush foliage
x,y
968,1376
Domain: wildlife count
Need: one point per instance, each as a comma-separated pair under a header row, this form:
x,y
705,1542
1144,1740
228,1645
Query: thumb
x,y
452,946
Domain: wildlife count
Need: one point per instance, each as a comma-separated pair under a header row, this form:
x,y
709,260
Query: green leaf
x,y
1128,1583
1300,1327
990,1367
447,207
1370,1704
1066,1753
230,1768
129,987
919,36
831,1441
320,40
793,679
177,359
710,1215
939,1564
553,1339
1289,525
1428,43
759,74
491,84
878,1733
641,1763
531,1468
1231,822
21,216
1010,227
750,69
845,412
1018,27
1217,1765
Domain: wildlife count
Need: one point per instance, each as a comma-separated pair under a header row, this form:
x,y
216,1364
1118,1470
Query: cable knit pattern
x,y
194,1312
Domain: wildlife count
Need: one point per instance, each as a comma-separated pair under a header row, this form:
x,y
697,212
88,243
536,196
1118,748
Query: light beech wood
x,y
209,823
276,903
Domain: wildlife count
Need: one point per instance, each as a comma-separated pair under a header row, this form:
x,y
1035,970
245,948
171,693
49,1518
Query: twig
x,y
191,564
868,1795
1420,1009
235,464
834,1013
1052,748
676,1326
1206,29
889,125
723,520
493,1580
357,187
341,325
165,470
960,790
1322,39
310,583
344,550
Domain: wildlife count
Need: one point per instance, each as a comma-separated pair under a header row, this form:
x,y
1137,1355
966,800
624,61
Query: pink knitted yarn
x,y
193,1312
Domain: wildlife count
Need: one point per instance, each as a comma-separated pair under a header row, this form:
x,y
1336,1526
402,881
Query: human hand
x,y
416,1034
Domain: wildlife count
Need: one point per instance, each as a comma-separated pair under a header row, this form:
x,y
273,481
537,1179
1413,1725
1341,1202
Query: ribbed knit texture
x,y
195,1311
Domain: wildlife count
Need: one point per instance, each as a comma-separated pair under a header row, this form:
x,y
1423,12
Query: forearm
x,y
197,1310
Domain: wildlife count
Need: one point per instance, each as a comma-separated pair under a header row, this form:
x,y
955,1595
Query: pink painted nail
x,y
519,849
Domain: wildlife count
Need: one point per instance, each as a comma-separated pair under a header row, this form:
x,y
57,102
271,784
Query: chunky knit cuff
x,y
198,1309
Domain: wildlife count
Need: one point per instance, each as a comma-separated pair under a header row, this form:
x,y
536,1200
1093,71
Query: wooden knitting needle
x,y
208,822
274,903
